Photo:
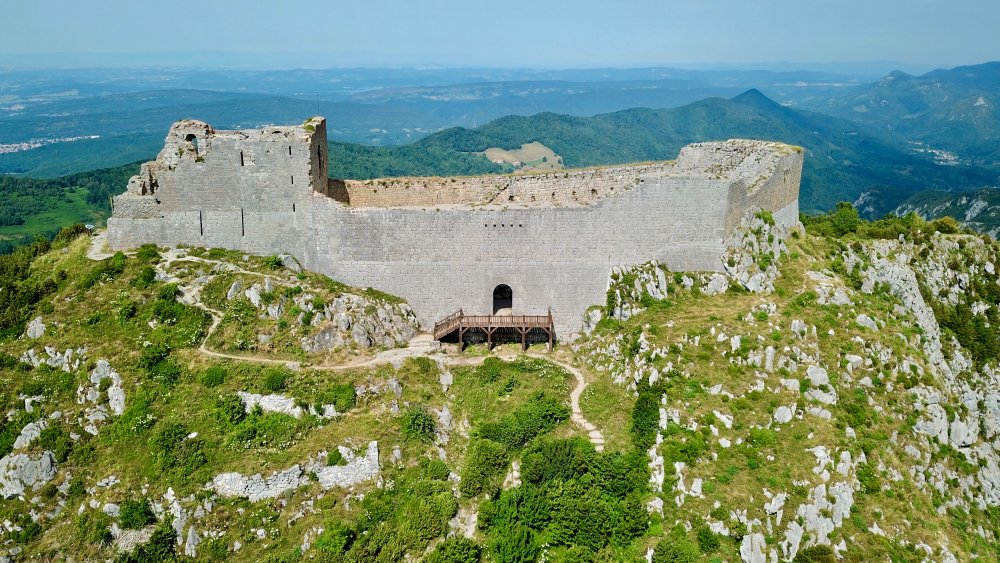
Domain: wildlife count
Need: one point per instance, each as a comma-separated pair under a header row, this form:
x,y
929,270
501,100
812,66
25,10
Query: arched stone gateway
x,y
503,300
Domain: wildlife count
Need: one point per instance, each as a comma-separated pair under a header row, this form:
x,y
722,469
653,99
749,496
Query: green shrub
x,y
146,277
274,262
815,554
418,424
484,464
56,440
334,457
539,415
152,355
172,449
69,233
708,540
342,396
516,547
260,429
213,376
275,379
335,540
646,417
490,370
869,479
136,514
762,437
433,469
676,550
455,549
148,253
946,225
230,409
93,528
548,460
167,372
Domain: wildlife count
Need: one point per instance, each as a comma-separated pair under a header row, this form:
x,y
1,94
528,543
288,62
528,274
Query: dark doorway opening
x,y
503,300
191,138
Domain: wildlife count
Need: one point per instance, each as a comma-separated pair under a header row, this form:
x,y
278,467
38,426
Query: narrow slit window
x,y
293,180
289,150
241,159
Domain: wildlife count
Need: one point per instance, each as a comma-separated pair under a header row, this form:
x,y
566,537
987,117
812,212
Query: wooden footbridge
x,y
460,323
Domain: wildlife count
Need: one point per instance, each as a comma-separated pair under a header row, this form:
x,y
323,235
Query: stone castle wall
x,y
443,244
571,188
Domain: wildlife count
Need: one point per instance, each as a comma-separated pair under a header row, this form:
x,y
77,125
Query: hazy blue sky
x,y
536,33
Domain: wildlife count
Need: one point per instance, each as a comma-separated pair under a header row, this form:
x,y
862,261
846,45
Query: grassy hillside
x,y
30,207
848,412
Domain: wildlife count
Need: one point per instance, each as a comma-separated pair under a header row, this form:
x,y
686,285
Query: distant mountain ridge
x,y
950,109
844,159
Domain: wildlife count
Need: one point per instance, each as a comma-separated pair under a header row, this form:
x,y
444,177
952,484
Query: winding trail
x,y
421,345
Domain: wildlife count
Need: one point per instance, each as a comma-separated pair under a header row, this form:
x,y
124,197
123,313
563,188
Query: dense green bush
x,y
539,415
56,440
484,464
815,554
455,549
259,429
230,409
172,449
152,355
646,417
418,424
214,376
334,542
148,253
708,540
342,396
574,496
20,292
275,379
517,546
136,514
146,277
676,550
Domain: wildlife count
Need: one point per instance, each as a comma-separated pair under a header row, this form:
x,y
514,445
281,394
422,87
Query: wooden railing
x,y
448,324
459,321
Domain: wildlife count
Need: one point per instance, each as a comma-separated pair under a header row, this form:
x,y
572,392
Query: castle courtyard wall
x,y
445,249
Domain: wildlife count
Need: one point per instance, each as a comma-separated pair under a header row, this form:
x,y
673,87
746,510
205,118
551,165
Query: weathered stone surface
x,y
270,403
256,487
717,284
22,472
357,469
752,548
867,322
35,328
782,414
234,290
817,375
30,433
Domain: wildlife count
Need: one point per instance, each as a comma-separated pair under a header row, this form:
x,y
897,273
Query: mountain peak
x,y
756,98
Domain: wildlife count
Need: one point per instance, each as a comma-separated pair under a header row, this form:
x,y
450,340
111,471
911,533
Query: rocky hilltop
x,y
833,394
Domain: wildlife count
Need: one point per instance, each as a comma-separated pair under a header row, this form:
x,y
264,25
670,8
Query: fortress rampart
x,y
447,243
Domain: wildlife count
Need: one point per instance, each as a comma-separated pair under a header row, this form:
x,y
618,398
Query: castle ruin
x,y
525,244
